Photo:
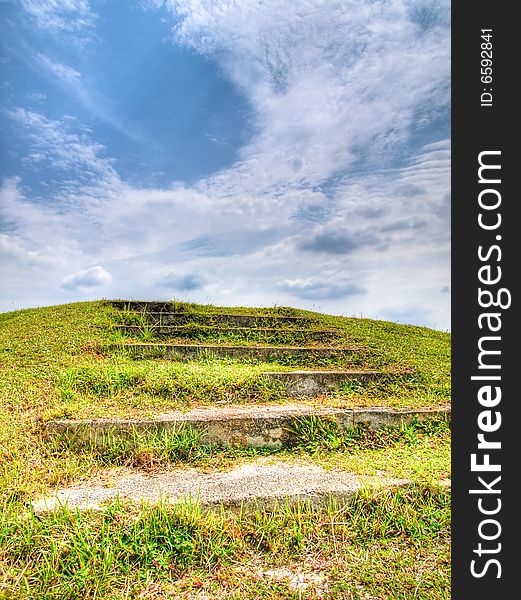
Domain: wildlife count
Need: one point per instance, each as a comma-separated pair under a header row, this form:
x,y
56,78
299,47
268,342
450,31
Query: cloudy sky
x,y
252,152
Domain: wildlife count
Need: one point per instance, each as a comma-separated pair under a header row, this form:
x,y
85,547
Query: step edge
x,y
178,416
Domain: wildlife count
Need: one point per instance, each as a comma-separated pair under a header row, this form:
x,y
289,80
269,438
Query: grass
x,y
419,451
116,386
382,545
51,367
192,308
225,318
315,433
388,346
236,336
389,545
139,449
333,358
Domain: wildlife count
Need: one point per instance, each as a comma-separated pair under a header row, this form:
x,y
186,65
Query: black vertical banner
x,y
486,264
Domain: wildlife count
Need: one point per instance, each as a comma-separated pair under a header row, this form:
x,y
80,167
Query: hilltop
x,y
111,398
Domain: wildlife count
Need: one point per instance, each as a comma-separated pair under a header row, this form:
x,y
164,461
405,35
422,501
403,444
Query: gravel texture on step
x,y
257,484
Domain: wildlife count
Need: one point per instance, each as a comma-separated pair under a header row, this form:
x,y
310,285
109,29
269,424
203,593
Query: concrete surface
x,y
258,426
312,383
257,484
194,351
173,318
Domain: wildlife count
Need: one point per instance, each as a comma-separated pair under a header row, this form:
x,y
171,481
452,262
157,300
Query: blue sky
x,y
249,152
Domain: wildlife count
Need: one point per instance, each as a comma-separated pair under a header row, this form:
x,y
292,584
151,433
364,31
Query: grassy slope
x,y
47,357
48,368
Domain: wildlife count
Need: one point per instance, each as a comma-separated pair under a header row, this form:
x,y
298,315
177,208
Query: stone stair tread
x,y
217,412
312,383
294,372
253,316
258,483
165,308
251,411
253,425
239,347
224,329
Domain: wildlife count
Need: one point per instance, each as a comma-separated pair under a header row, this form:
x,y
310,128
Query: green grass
x,y
192,308
334,359
382,545
200,317
51,366
234,336
388,545
388,346
121,385
419,451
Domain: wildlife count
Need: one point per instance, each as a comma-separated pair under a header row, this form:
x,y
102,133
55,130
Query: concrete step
x,y
197,331
168,308
263,321
314,383
256,485
261,353
258,426
143,305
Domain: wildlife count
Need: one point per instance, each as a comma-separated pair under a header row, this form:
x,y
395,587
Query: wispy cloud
x,y
14,249
72,81
58,144
327,79
59,15
67,74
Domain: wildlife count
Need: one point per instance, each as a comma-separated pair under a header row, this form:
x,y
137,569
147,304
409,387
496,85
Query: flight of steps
x,y
282,339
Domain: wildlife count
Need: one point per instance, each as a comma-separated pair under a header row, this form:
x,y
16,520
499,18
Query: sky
x,y
254,152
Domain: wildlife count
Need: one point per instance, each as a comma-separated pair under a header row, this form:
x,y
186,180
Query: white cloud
x,y
35,229
87,279
13,248
64,72
57,144
326,79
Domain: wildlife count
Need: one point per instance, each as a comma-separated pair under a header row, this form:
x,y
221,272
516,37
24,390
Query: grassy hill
x,y
71,362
